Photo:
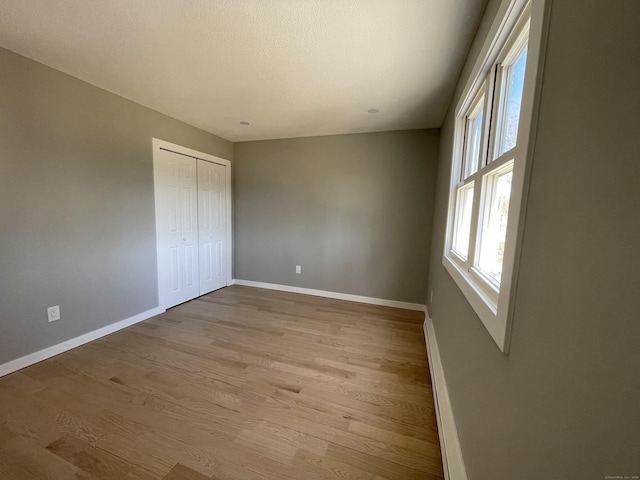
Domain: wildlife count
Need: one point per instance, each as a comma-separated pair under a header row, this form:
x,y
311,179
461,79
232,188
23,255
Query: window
x,y
493,122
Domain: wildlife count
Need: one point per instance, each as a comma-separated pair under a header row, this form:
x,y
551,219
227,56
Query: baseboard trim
x,y
27,360
336,295
452,460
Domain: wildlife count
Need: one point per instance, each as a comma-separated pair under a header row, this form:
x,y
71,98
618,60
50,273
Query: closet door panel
x,y
212,225
177,228
190,228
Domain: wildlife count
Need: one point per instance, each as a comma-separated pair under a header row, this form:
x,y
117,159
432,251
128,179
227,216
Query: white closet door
x,y
176,179
212,224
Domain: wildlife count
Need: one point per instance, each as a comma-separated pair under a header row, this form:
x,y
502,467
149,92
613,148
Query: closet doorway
x,y
193,222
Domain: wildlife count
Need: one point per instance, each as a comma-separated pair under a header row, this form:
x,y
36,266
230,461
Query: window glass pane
x,y
514,77
494,226
474,129
464,207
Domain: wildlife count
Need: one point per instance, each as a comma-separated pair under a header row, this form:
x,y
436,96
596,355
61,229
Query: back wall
x,y
355,211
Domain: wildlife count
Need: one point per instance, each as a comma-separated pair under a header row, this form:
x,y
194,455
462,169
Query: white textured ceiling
x,y
291,68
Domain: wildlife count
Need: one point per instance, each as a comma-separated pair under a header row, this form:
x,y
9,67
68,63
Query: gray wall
x,y
77,206
565,403
354,210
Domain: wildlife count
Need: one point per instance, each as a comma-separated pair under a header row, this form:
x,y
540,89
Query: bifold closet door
x,y
212,224
176,179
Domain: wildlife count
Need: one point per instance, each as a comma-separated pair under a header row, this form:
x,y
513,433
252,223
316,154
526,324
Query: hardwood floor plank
x,y
30,417
180,472
94,461
22,458
6,434
378,466
312,462
418,446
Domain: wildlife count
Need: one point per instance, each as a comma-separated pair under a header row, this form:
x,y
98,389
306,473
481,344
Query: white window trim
x,y
495,309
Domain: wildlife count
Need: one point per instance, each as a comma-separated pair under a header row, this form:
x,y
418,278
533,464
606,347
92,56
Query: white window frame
x,y
492,301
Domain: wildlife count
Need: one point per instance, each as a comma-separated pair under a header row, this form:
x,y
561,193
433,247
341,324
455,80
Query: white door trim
x,y
158,144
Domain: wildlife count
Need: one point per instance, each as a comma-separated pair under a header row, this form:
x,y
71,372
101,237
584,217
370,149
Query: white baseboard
x,y
49,352
452,460
336,295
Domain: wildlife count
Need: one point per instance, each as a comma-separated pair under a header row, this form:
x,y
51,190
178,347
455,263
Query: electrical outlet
x,y
53,313
298,269
431,297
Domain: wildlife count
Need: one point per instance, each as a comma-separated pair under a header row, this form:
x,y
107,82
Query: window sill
x,y
491,314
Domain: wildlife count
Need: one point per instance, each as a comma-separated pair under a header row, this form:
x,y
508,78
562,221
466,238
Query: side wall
x,y
564,403
77,218
354,211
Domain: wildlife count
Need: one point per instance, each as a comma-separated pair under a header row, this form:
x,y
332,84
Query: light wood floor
x,y
240,384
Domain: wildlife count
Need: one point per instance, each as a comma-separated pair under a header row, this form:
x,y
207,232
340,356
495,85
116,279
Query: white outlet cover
x,y
53,313
298,269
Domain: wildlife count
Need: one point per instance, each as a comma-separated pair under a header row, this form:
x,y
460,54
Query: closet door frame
x,y
159,145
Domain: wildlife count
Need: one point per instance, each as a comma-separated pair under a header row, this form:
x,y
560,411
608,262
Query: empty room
x,y
320,239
